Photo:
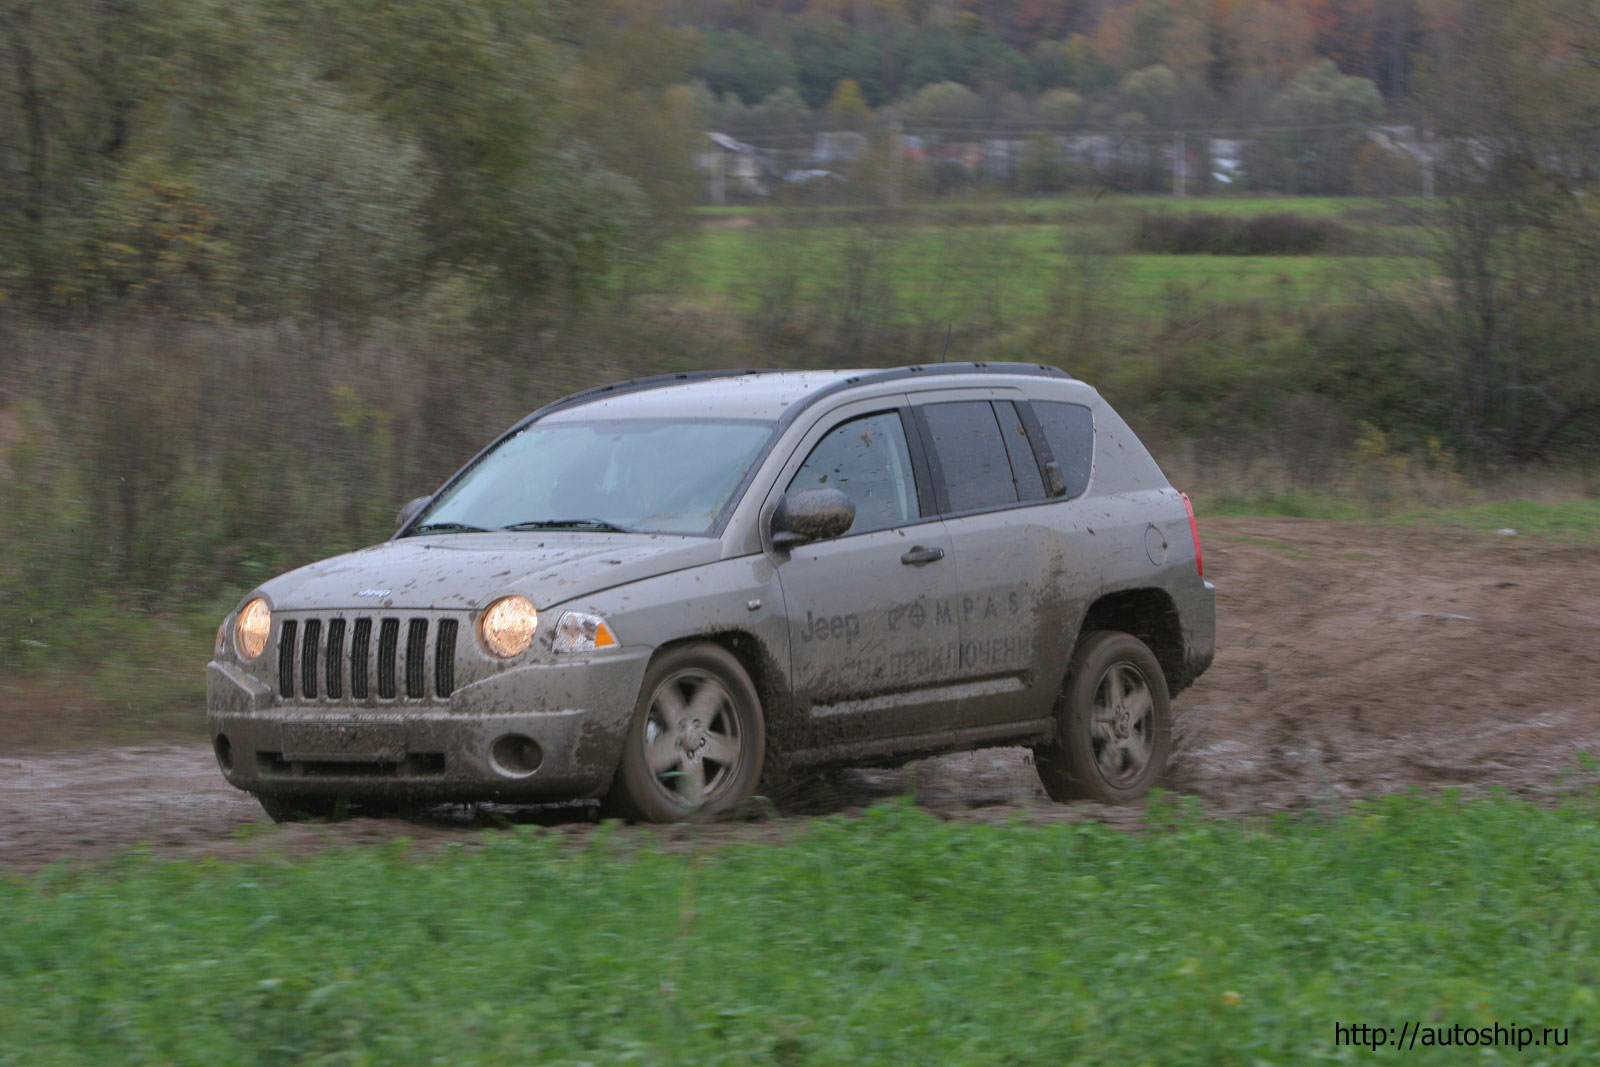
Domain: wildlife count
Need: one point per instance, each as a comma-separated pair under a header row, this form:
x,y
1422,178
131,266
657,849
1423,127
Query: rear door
x,y
1010,568
873,644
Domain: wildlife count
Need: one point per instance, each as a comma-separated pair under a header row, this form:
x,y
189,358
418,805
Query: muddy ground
x,y
1352,660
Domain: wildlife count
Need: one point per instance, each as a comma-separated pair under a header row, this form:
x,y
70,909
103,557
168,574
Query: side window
x,y
1069,430
867,460
1024,464
971,452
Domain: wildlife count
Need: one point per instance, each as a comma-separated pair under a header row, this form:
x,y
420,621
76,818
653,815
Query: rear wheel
x,y
1113,723
697,740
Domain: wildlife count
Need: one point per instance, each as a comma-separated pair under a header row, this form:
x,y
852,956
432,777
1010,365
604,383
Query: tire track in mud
x,y
1351,660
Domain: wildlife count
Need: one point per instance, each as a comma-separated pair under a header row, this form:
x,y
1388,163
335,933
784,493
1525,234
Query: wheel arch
x,y
1151,615
753,655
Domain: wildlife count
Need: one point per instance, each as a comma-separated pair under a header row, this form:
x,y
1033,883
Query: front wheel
x,y
1113,723
697,740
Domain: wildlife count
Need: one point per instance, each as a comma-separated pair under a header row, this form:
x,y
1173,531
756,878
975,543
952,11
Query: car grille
x,y
340,659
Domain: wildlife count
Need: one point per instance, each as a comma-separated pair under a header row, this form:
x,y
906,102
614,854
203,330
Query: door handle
x,y
919,555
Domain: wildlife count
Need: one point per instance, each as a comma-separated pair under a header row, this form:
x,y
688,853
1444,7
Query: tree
x,y
1044,19
1071,64
947,103
87,86
747,67
323,206
478,84
1509,337
1321,118
342,150
847,107
1153,92
1059,107
1271,41
1191,42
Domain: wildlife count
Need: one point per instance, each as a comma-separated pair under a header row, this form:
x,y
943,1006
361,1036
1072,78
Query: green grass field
x,y
892,938
992,261
1010,272
1093,206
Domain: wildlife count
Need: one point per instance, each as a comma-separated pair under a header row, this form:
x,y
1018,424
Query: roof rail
x,y
657,381
917,370
634,385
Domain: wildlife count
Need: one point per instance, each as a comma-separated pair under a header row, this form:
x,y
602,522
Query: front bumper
x,y
543,731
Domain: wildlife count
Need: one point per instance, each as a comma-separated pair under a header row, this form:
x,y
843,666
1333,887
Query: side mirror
x,y
409,512
811,515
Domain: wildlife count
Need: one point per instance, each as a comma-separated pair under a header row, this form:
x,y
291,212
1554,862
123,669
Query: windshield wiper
x,y
445,527
568,524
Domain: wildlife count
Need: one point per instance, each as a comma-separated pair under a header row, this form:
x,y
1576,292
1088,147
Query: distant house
x,y
838,146
734,167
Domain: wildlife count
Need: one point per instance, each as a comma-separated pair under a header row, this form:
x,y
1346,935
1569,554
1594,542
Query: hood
x,y
467,571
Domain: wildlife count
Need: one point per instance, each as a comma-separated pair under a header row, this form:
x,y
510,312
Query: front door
x,y
875,647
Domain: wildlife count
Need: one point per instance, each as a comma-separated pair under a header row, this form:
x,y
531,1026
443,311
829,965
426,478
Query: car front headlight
x,y
251,630
578,631
507,627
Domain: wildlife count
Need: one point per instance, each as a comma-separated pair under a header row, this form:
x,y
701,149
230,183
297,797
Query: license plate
x,y
384,742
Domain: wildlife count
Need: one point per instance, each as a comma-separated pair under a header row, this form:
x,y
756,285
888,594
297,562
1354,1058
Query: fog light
x,y
516,756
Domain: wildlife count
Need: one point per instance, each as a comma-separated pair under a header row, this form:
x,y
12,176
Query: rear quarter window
x,y
1069,430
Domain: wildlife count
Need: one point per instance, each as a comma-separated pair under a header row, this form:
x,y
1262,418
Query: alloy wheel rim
x,y
1122,724
692,742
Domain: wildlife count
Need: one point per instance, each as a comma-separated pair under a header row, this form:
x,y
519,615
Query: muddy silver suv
x,y
658,591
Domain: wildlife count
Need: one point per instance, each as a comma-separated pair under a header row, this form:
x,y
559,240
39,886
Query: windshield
x,y
636,475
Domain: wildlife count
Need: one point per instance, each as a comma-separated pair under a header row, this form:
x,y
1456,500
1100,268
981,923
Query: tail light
x,y
1194,531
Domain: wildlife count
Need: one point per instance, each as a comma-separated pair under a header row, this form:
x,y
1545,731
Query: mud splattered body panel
x,y
944,620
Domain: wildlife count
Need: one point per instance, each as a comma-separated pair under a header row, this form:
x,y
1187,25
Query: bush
x,y
1282,234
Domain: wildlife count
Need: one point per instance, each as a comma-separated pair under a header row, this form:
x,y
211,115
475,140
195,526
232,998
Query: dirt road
x,y
1351,660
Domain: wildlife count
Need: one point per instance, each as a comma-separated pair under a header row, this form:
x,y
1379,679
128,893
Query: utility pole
x,y
1179,165
896,161
1427,162
719,178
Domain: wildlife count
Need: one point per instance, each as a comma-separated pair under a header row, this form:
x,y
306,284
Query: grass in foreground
x,y
893,939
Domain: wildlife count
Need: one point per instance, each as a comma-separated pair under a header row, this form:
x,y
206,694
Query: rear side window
x,y
1024,465
1069,431
971,453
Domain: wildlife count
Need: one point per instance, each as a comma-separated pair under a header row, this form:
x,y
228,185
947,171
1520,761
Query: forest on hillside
x,y
253,158
1216,57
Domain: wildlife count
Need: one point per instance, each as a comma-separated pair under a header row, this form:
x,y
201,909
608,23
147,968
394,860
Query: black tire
x,y
697,740
1113,723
